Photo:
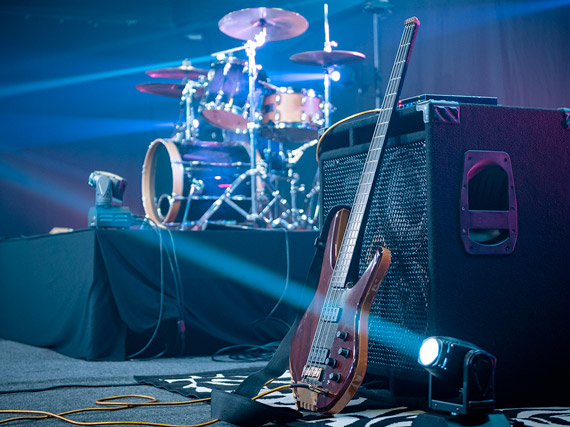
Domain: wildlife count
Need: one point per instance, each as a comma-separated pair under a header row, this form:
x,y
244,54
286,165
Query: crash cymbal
x,y
182,72
325,59
280,24
172,90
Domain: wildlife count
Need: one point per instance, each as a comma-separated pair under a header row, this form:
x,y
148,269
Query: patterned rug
x,y
360,412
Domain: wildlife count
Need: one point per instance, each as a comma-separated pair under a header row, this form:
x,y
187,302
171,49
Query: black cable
x,y
179,294
177,279
251,353
161,310
55,387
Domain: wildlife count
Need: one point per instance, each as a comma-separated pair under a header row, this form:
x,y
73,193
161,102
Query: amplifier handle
x,y
488,209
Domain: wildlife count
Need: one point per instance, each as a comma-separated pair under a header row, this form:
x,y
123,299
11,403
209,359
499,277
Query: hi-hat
x,y
172,90
182,72
326,59
279,24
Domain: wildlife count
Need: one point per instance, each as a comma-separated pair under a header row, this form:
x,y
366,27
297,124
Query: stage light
x,y
461,383
109,188
429,351
335,76
108,212
461,375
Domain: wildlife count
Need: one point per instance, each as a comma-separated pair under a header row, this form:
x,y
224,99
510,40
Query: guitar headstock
x,y
412,20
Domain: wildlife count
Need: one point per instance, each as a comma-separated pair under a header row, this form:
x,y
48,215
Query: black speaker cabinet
x,y
474,203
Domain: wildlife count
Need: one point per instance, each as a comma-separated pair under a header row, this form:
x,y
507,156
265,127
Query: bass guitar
x,y
329,350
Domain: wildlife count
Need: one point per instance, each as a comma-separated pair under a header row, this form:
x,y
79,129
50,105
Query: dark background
x,y
68,103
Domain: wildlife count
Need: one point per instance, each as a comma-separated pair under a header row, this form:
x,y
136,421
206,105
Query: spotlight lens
x,y
429,351
335,76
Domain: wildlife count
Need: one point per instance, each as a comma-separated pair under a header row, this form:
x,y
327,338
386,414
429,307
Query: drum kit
x,y
236,180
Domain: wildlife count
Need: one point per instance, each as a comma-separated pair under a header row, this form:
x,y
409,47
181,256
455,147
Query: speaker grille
x,y
397,219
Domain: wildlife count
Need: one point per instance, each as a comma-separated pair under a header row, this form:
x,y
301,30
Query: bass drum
x,y
170,169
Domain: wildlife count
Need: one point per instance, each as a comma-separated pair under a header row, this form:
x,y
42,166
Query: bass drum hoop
x,y
148,182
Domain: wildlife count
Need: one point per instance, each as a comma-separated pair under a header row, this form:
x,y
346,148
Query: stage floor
x,y
63,384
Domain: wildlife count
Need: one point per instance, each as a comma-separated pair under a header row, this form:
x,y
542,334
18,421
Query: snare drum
x,y
225,103
291,116
169,170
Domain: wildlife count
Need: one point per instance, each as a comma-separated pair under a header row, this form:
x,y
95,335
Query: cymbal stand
x,y
187,131
294,218
256,170
327,70
250,49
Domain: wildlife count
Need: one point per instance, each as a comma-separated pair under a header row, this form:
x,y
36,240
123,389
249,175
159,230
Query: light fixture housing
x,y
109,191
461,377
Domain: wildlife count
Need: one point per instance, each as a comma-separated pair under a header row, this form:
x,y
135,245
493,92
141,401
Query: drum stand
x,y
187,131
257,173
294,218
327,69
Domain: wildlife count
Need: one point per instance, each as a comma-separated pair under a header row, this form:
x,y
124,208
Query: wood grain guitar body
x,y
330,348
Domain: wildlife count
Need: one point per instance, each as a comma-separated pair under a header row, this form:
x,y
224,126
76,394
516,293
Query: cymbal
x,y
182,72
280,24
172,90
325,59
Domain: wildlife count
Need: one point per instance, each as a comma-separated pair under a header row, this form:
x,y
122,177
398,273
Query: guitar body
x,y
344,340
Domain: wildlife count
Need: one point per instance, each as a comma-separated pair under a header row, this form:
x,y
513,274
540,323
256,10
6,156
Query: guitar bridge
x,y
313,373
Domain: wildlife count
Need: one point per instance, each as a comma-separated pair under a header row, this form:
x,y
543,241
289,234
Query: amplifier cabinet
x,y
474,203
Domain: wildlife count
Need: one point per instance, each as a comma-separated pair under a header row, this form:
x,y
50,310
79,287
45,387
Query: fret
x,y
340,277
361,201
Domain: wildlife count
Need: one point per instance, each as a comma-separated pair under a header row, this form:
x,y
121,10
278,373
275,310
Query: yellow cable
x,y
376,110
123,405
104,401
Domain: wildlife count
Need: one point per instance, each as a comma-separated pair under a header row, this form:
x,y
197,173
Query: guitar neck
x,y
375,152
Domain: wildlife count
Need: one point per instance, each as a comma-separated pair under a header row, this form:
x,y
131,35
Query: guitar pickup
x,y
331,314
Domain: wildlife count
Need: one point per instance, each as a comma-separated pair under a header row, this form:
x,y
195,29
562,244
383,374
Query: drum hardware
x,y
265,215
197,186
219,96
189,128
256,26
292,217
327,58
311,203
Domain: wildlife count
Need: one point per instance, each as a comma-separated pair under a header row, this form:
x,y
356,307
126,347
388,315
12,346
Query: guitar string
x,y
340,271
337,292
